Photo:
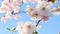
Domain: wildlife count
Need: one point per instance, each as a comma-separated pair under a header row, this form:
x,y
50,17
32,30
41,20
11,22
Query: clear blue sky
x,y
51,27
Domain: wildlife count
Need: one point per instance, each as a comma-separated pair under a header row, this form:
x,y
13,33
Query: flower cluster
x,y
10,7
41,12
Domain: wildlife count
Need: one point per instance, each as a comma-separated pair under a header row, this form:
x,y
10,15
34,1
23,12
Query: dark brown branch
x,y
38,23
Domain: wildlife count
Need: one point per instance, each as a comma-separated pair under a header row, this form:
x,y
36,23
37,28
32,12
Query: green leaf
x,y
8,29
35,32
14,28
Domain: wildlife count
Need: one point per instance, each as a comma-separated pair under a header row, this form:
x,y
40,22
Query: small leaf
x,y
35,32
13,28
8,29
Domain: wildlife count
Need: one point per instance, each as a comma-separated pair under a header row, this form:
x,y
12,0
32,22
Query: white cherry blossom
x,y
56,11
26,28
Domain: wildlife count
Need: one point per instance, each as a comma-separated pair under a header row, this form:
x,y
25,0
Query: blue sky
x,y
50,27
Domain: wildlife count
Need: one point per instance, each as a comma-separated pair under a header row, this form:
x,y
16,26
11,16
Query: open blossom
x,y
35,15
56,11
26,28
29,28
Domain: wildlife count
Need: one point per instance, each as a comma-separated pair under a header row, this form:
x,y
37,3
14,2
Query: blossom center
x,y
29,26
36,15
43,8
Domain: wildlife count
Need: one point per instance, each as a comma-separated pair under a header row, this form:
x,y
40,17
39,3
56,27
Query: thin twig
x,y
38,23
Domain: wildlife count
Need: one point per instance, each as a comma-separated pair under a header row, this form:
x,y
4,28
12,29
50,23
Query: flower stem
x,y
38,23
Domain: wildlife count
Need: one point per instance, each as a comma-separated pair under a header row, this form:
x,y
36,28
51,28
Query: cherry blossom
x,y
27,28
41,12
56,11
